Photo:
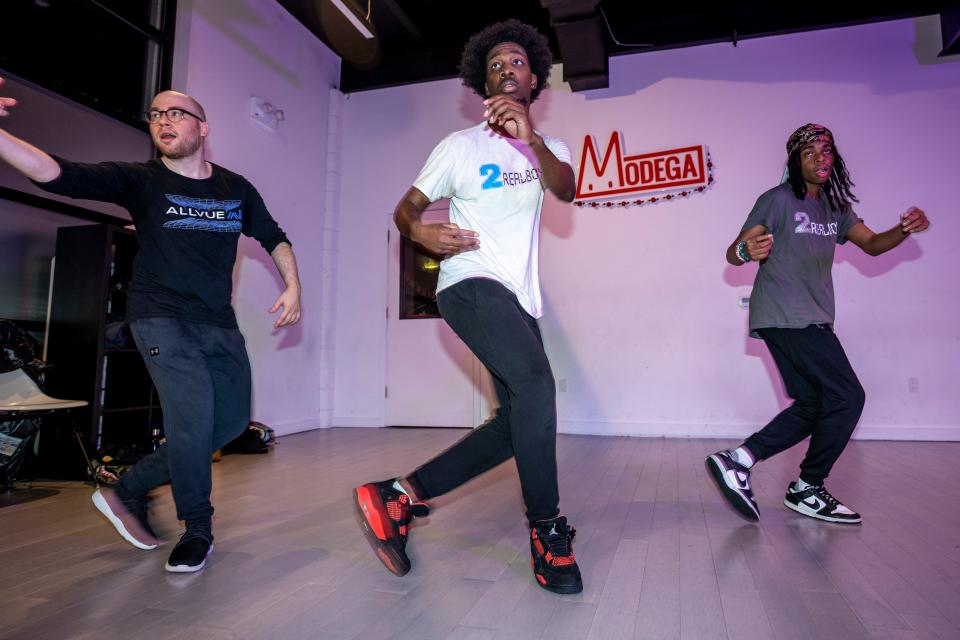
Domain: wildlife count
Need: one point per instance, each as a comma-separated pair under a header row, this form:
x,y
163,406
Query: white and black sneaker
x,y
128,516
733,480
191,552
816,502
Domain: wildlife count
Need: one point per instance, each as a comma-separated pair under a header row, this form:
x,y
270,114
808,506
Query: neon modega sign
x,y
670,174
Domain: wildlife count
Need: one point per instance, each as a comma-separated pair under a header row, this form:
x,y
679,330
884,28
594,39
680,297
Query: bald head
x,y
170,99
184,137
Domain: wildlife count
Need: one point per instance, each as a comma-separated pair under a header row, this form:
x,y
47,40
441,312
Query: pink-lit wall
x,y
227,52
642,320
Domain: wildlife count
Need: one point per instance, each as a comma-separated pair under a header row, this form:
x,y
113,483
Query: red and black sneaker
x,y
384,514
555,567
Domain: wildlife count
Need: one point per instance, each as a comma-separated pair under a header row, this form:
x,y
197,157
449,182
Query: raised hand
x,y
511,115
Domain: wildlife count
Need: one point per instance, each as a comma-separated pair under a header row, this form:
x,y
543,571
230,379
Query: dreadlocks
x,y
473,63
837,188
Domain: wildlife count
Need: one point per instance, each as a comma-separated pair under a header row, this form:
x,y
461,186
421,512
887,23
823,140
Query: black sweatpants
x,y
506,339
202,374
828,399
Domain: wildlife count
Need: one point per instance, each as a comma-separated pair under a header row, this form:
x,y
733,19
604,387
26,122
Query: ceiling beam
x,y
583,48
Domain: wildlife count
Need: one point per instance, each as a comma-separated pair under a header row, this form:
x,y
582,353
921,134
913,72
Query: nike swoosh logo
x,y
813,503
738,479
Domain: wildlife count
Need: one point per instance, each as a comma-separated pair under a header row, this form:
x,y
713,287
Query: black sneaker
x,y
733,480
554,565
128,516
816,502
191,552
384,515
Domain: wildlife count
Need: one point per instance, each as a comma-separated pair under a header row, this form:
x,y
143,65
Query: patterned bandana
x,y
806,134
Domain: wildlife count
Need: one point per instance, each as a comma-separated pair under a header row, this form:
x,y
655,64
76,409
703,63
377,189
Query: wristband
x,y
742,252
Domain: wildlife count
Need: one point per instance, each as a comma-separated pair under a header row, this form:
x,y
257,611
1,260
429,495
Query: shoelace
x,y
824,495
559,544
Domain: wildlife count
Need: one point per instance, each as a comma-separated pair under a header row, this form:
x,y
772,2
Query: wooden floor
x,y
662,556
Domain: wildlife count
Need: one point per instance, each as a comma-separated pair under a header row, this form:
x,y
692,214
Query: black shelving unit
x,y
94,264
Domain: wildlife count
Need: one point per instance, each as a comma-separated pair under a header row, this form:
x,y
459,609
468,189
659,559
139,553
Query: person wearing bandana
x,y
792,233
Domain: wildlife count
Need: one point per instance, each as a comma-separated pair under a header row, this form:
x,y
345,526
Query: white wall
x,y
642,321
227,51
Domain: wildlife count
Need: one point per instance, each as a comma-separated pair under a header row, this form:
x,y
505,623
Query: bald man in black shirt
x,y
189,214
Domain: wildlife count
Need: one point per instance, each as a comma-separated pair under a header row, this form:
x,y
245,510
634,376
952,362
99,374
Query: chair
x,y
22,399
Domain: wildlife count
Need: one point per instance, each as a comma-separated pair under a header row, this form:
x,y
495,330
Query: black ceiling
x,y
421,40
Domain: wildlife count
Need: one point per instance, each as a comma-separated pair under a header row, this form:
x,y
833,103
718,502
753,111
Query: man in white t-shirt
x,y
494,174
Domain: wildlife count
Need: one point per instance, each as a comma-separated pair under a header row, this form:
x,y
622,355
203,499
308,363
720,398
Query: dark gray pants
x,y
828,399
202,374
506,339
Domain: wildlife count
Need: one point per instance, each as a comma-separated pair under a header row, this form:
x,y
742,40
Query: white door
x,y
433,380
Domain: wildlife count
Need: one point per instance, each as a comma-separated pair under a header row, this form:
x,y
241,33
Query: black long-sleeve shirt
x,y
187,230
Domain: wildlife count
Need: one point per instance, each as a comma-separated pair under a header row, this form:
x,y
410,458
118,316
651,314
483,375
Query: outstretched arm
x,y
913,220
289,300
23,156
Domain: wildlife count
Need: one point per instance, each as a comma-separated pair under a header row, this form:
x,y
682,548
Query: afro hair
x,y
473,63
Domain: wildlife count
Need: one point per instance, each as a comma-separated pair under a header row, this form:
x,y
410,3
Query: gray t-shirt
x,y
794,285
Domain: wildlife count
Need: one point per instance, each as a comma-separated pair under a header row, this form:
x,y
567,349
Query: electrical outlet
x,y
562,385
913,385
744,302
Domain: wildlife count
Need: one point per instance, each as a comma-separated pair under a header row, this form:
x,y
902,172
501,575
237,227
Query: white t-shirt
x,y
494,188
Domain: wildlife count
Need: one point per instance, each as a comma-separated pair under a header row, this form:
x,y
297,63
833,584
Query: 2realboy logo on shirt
x,y
204,214
494,178
815,228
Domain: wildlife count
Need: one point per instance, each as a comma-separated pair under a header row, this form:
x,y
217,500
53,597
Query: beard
x,y
183,147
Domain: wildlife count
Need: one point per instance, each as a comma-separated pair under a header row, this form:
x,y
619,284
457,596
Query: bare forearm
x,y
883,242
286,263
27,159
556,176
407,218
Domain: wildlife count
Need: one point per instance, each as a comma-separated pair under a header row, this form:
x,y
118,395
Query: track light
x,y
359,23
